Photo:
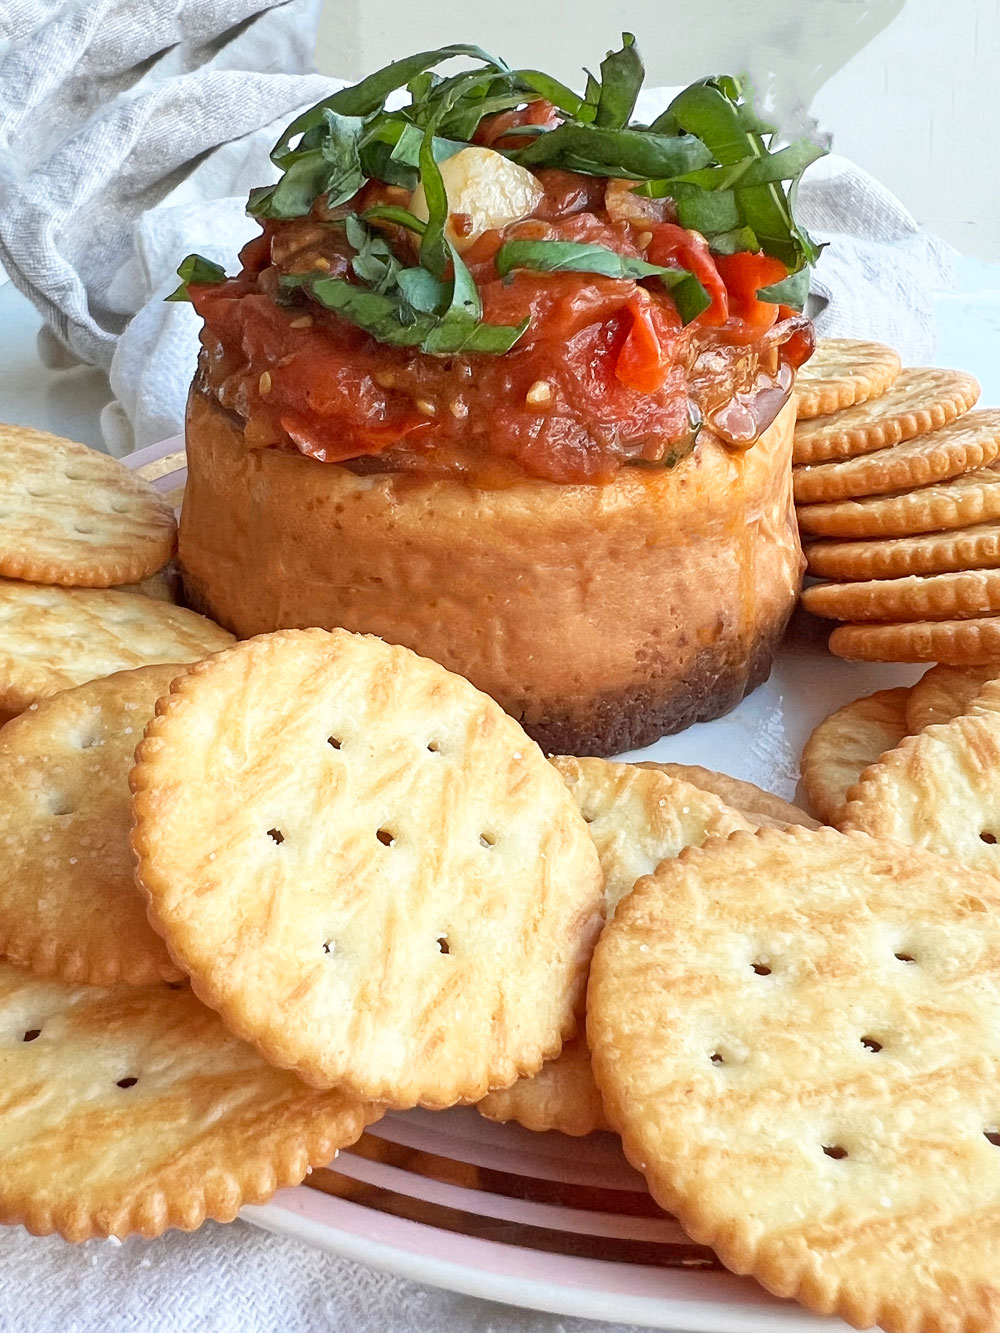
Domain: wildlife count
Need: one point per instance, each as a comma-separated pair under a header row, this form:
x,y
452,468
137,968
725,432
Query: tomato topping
x,y
605,374
642,362
672,245
744,274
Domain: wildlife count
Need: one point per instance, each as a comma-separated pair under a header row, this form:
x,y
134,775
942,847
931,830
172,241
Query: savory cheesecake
x,y
495,382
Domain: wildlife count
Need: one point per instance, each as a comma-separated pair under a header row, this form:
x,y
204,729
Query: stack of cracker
x,y
85,582
899,506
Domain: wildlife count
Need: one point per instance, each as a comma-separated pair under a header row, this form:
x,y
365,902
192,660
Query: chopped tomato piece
x,y
689,249
643,363
744,274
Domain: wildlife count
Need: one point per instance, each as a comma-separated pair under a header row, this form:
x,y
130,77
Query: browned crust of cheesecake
x,y
601,616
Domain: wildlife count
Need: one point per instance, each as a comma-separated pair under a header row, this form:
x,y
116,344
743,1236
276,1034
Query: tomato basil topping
x,y
503,278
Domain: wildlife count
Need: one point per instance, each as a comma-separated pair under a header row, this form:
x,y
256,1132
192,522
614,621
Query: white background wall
x,y
906,87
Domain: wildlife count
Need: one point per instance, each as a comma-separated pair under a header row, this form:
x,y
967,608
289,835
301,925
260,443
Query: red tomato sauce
x,y
605,375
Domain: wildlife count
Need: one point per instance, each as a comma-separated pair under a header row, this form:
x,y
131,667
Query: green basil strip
x,y
422,290
706,112
395,213
363,98
410,141
730,242
196,271
434,248
605,152
536,81
622,73
791,291
783,165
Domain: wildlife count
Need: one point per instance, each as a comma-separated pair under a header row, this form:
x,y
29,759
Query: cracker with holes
x,y
132,1109
68,902
54,638
920,400
957,596
970,498
938,790
637,816
843,745
761,807
944,693
971,642
842,372
927,553
73,516
391,890
973,441
797,1035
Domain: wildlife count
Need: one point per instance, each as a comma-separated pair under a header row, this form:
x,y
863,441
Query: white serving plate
x,y
540,1220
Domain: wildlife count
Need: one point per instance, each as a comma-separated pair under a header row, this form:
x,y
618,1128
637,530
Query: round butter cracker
x,y
938,790
54,638
956,596
920,400
972,642
68,902
842,746
637,816
797,1035
762,808
366,866
897,557
133,1109
842,372
73,516
971,497
973,441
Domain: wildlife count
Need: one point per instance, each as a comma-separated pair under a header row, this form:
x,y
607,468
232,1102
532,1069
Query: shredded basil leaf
x,y
622,73
709,152
196,271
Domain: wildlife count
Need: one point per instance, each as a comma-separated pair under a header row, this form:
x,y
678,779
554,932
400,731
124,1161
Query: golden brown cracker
x,y
938,790
955,642
73,516
391,889
797,1035
842,746
68,902
761,807
842,372
132,1109
970,498
54,638
921,399
958,596
927,553
561,1096
945,692
637,816
973,441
